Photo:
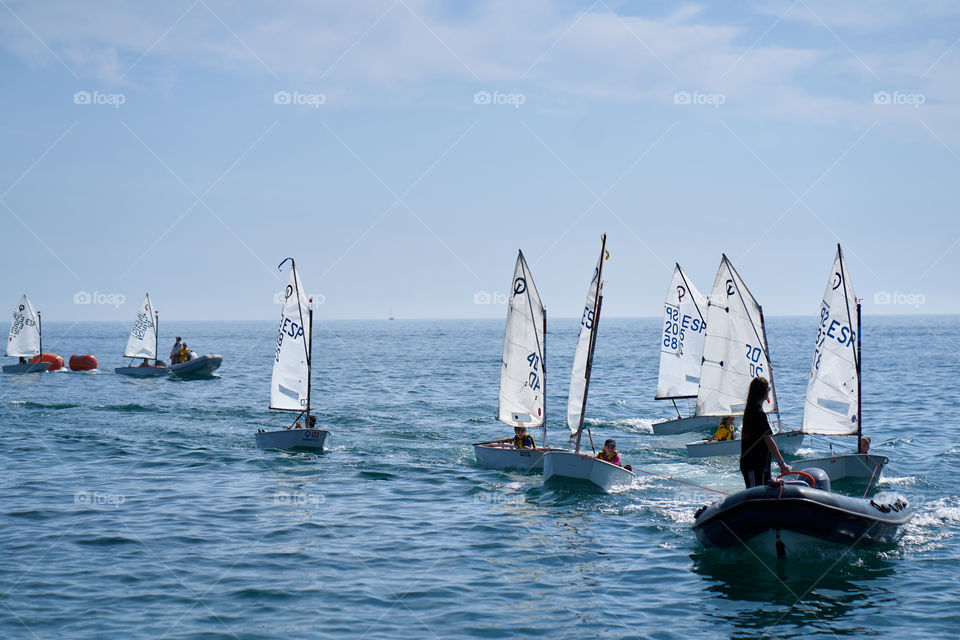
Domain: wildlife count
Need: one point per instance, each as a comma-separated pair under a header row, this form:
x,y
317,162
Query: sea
x,y
143,509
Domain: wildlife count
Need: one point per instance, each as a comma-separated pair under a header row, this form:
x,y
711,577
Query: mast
x,y
40,335
859,408
766,346
156,336
543,361
593,339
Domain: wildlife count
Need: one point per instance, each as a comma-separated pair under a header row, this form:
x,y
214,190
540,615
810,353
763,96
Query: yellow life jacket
x,y
519,441
603,455
724,433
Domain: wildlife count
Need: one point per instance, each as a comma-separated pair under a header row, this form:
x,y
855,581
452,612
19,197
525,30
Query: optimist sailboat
x,y
681,353
523,375
832,405
573,465
290,383
734,352
142,343
25,339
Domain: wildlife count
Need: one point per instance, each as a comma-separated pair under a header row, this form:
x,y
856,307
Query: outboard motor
x,y
823,480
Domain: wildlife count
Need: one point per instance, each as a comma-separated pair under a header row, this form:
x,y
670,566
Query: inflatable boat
x,y
789,515
198,367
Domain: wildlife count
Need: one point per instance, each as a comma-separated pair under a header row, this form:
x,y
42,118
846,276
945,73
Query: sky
x,y
402,151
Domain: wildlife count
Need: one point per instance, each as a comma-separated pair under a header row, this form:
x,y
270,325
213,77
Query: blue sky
x,y
152,147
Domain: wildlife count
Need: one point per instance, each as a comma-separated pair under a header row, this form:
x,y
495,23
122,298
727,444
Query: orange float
x,y
82,363
56,362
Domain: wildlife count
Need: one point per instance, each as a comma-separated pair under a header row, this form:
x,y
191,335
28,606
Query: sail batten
x,y
831,406
23,340
681,339
580,375
142,342
734,349
522,368
289,384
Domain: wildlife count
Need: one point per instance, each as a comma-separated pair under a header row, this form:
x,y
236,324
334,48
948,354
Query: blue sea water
x,y
141,508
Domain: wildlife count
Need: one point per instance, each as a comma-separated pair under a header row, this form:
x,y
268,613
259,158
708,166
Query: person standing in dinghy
x,y
175,352
756,443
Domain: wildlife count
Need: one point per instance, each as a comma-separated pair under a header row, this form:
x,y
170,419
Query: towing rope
x,y
657,475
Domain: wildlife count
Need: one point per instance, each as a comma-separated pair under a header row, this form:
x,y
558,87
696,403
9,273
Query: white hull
x,y
691,423
198,367
30,367
141,372
499,456
567,465
787,442
853,466
293,439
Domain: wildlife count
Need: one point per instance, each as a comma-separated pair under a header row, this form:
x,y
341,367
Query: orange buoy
x,y
82,363
56,362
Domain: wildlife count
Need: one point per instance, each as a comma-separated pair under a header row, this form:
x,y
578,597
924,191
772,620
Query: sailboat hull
x,y
854,466
30,367
501,456
293,439
196,368
787,442
141,372
683,425
584,469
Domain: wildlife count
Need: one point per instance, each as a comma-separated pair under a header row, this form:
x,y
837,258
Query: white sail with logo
x,y
24,338
580,376
289,385
681,339
832,392
522,371
735,347
142,342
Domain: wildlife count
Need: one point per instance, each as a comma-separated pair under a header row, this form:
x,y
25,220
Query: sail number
x,y
287,328
534,378
141,325
830,328
587,320
676,326
753,359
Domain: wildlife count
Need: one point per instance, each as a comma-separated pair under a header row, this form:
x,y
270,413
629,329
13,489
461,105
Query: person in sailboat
x,y
609,452
175,352
520,440
864,446
145,363
311,420
724,431
757,445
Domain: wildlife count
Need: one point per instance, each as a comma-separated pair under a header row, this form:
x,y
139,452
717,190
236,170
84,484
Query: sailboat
x,y
681,353
832,405
734,352
290,382
25,339
523,375
573,465
142,343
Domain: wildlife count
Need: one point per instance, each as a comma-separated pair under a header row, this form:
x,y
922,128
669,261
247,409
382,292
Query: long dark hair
x,y
757,393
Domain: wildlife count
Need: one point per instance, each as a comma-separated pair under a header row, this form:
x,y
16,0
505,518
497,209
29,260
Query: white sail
x,y
681,339
24,338
581,370
142,342
522,371
291,372
831,403
734,350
